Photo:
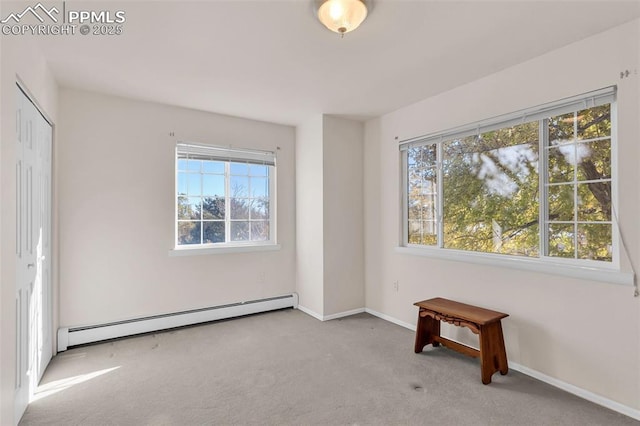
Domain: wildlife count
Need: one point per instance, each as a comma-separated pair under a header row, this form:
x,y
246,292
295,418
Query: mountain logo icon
x,y
39,11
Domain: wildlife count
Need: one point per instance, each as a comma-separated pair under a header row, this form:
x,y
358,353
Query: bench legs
x,y
427,329
493,356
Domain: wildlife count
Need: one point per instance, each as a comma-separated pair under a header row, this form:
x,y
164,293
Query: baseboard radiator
x,y
73,336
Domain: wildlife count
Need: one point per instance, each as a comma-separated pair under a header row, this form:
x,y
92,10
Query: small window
x,y
534,184
224,197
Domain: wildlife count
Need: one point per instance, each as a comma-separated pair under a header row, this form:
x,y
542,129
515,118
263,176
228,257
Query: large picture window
x,y
223,196
536,183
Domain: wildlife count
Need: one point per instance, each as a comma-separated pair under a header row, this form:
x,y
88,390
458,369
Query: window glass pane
x,y
422,176
560,168
594,242
428,183
568,152
595,160
561,240
423,208
594,122
429,155
182,164
182,184
423,183
239,208
415,232
260,230
423,232
239,186
213,208
239,168
527,235
258,170
239,231
430,208
594,202
184,209
491,191
429,233
188,208
259,187
561,129
414,182
195,183
560,199
259,208
189,232
412,153
213,232
213,167
195,207
423,156
415,208
213,185
194,165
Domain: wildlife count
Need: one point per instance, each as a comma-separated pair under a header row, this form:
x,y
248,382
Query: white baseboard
x,y
310,312
72,336
582,393
396,321
567,387
343,314
332,316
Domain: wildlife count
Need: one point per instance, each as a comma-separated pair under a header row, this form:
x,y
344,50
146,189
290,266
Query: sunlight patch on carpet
x,y
56,386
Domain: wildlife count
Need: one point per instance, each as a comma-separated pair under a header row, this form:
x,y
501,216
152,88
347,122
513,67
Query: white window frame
x,y
228,155
581,268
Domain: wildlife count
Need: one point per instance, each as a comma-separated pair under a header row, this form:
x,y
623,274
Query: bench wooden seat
x,y
483,322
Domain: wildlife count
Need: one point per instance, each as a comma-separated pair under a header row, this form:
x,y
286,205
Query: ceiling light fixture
x,y
342,16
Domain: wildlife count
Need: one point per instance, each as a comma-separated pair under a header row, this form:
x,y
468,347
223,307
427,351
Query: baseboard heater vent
x,y
73,336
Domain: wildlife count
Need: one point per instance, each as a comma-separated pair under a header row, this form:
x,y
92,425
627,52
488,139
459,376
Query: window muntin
x,y
223,197
491,179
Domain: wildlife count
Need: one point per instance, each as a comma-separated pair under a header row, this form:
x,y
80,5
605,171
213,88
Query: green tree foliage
x,y
422,196
491,189
580,184
205,220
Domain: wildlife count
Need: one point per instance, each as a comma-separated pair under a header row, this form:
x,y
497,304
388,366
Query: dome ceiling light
x,y
342,16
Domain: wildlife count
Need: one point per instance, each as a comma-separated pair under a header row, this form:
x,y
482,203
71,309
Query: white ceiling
x,y
273,61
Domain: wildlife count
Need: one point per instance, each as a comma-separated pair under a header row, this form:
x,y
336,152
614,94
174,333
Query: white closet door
x,y
33,249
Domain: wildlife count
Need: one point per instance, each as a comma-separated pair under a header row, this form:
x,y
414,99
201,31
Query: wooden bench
x,y
484,322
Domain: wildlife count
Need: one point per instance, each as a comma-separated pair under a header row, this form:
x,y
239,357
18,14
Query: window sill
x,y
602,274
195,251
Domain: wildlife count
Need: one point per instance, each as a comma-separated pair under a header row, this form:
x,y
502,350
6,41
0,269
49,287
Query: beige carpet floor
x,y
286,368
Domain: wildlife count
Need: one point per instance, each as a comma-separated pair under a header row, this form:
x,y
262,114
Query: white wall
x,y
329,211
309,216
116,199
20,59
343,214
577,331
637,167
